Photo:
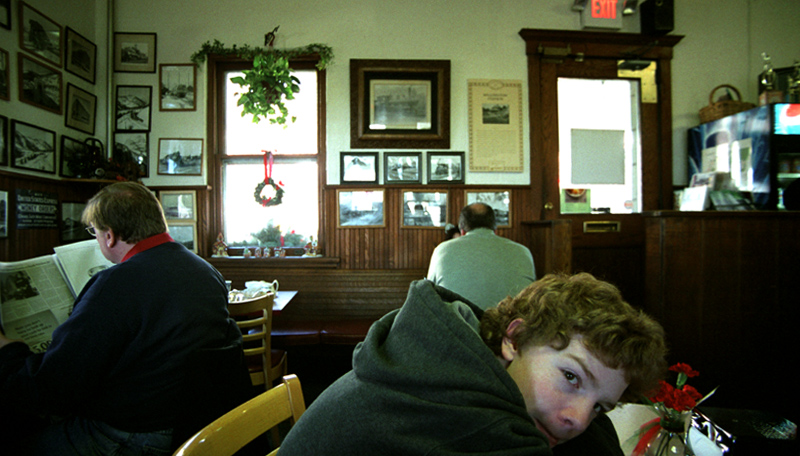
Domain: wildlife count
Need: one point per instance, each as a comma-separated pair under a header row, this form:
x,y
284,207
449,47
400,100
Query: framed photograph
x,y
184,233
39,84
402,167
133,147
5,76
5,14
134,52
39,35
73,153
180,156
71,227
3,214
81,109
134,107
179,204
177,86
358,167
399,104
33,148
360,208
499,200
446,167
81,56
424,209
3,141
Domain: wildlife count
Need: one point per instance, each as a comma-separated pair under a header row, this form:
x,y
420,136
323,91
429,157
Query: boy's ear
x,y
508,347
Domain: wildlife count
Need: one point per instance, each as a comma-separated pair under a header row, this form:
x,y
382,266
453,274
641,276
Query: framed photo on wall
x,y
134,52
3,214
5,76
34,148
73,154
81,109
184,233
360,208
447,167
40,35
3,141
72,228
179,204
134,107
5,14
177,86
499,200
182,156
133,147
39,84
358,167
399,104
402,167
81,56
424,209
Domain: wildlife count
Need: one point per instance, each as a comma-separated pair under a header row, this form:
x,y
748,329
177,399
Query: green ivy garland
x,y
270,201
248,52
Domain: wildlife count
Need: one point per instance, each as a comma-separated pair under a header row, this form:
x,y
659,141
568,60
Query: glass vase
x,y
671,439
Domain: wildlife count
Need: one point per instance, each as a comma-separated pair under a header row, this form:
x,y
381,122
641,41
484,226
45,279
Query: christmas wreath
x,y
277,198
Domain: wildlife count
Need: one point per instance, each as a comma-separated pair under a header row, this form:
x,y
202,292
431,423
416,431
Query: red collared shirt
x,y
148,243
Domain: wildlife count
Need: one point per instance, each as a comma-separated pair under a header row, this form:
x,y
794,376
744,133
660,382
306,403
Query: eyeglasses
x,y
91,230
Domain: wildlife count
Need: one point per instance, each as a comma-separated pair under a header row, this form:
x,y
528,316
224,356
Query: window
x,y
296,161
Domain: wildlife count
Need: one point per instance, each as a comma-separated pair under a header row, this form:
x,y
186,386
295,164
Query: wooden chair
x,y
254,317
232,431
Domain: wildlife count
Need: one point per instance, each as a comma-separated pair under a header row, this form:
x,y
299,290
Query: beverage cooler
x,y
760,148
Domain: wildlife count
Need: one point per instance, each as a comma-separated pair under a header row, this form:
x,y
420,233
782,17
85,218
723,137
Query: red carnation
x,y
683,368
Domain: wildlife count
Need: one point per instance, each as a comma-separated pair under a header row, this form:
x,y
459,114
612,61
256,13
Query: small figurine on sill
x,y
220,248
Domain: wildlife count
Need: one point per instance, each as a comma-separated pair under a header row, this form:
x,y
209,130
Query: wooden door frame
x,y
545,47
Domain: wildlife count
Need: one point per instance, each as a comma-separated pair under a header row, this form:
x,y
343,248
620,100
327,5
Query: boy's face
x,y
563,389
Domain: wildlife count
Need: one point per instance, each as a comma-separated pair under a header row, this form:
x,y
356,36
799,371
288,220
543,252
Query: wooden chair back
x,y
232,431
254,318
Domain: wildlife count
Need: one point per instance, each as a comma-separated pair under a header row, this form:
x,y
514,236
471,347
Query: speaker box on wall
x,y
657,17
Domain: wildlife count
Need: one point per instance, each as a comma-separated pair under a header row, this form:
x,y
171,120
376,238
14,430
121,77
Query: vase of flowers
x,y
667,434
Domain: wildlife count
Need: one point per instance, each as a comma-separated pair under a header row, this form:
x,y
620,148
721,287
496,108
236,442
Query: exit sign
x,y
603,14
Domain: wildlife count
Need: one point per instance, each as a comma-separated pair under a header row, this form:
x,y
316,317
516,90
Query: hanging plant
x,y
270,82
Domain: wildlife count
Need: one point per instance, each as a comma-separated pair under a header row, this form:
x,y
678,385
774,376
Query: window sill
x,y
274,262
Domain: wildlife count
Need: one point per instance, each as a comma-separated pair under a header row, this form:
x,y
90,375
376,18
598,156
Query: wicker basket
x,y
720,109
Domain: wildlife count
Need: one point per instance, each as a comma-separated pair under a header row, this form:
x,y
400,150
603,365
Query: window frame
x,y
217,66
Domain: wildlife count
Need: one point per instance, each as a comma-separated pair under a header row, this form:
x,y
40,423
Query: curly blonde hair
x,y
558,307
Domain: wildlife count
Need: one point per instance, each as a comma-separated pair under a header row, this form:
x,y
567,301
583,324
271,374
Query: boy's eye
x,y
571,377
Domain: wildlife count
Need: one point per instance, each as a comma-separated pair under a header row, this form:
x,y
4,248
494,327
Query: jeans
x,y
79,436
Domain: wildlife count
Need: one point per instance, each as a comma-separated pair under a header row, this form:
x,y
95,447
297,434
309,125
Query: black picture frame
x,y
39,84
81,111
446,167
3,140
5,14
33,148
399,104
499,200
43,40
72,229
180,156
359,167
5,75
177,87
402,167
135,52
424,209
133,146
72,151
134,107
81,56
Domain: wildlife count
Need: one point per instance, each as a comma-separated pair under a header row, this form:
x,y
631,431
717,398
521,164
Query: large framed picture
x,y
5,76
358,167
39,35
402,167
134,52
499,200
81,109
3,141
134,107
180,156
399,104
447,167
133,147
179,204
73,156
360,208
5,14
81,56
39,84
184,232
177,87
424,209
34,148
72,228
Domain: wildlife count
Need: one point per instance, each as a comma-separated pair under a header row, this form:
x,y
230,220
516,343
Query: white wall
x,y
723,42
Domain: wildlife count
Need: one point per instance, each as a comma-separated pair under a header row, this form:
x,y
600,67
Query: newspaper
x,y
37,295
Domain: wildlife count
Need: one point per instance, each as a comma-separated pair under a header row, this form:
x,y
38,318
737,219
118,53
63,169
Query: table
x,y
282,299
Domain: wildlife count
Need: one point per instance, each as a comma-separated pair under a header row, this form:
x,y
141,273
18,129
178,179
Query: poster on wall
x,y
36,209
495,125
